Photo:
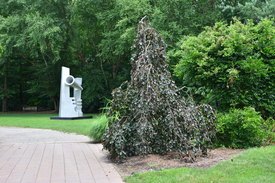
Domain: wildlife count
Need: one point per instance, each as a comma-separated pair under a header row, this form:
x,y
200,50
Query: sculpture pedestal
x,y
70,118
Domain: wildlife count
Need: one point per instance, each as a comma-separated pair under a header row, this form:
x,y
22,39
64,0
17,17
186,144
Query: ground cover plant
x,y
148,114
253,165
43,121
98,128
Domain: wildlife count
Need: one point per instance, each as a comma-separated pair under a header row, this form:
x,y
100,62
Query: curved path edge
x,y
45,156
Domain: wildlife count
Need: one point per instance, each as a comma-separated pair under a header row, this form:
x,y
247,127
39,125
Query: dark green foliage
x,y
248,9
231,66
148,113
35,37
94,39
241,128
98,128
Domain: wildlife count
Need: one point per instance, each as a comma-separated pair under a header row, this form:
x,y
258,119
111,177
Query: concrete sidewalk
x,y
46,156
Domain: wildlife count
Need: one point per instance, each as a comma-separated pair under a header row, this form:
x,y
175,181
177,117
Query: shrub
x,y
270,128
98,128
231,66
149,114
241,128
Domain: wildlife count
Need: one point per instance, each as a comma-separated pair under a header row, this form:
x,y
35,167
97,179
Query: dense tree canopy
x,y
94,38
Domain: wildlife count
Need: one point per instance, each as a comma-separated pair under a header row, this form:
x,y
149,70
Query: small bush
x,y
241,128
98,128
270,129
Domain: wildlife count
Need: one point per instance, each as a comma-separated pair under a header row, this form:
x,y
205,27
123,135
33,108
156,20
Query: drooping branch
x,y
149,114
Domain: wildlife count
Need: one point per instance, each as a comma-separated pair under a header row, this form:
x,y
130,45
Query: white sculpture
x,y
70,105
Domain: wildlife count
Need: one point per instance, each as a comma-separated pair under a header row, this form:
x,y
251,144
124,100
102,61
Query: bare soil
x,y
139,164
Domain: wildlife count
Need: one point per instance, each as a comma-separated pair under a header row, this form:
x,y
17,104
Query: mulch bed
x,y
151,162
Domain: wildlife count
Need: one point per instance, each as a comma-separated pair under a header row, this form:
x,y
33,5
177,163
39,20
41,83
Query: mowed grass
x,y
255,165
43,121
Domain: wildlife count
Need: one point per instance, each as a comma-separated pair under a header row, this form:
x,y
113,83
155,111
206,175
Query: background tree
x,y
38,36
94,38
11,23
247,9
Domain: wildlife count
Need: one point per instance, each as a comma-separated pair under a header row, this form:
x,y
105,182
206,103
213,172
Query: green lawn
x,y
43,121
255,165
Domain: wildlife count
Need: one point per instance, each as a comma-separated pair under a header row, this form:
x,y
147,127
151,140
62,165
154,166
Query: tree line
x,y
95,38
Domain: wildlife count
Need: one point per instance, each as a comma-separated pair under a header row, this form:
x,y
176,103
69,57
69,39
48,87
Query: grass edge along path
x,y
43,121
255,165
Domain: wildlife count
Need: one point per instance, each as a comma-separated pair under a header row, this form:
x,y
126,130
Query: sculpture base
x,y
70,118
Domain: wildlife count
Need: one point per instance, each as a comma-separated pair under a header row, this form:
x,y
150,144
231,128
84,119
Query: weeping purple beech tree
x,y
148,114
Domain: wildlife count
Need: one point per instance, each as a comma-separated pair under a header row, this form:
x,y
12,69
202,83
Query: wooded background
x,y
95,37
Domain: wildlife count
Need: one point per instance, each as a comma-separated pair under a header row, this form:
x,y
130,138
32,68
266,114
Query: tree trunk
x,y
21,96
5,91
114,70
55,104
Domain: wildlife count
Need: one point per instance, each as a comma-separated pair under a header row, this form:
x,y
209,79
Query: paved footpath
x,y
47,156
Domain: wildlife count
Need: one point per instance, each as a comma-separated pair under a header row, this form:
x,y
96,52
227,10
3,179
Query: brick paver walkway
x,y
46,156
